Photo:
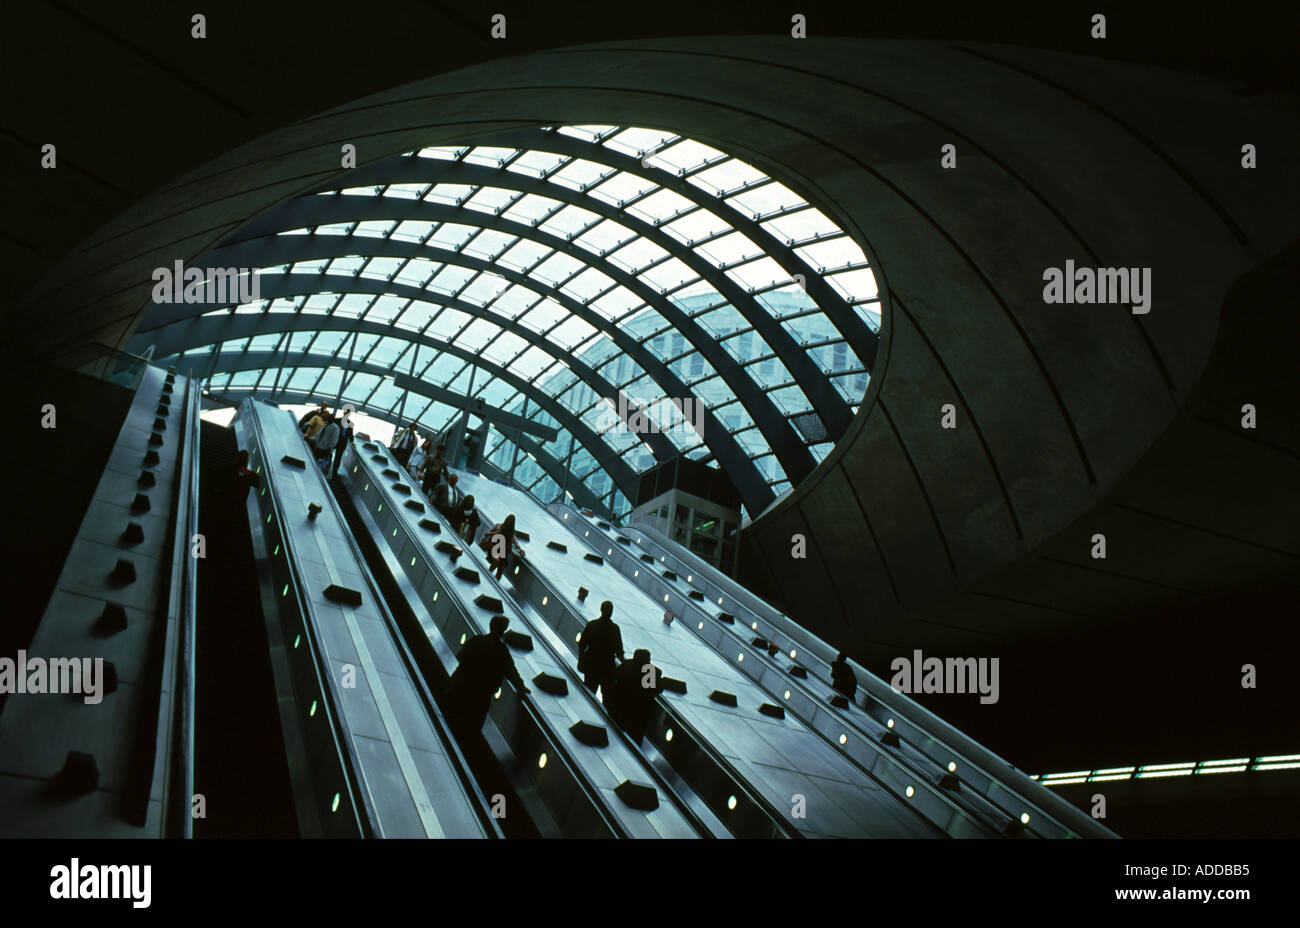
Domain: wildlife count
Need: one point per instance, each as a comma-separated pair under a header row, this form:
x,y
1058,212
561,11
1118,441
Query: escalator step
x,y
490,603
468,574
518,640
294,462
775,712
414,505
725,699
594,558
342,594
673,685
641,796
555,686
800,672
647,558
727,617
556,546
591,735
696,594
431,525
840,702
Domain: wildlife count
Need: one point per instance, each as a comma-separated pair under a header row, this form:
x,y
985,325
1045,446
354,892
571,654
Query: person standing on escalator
x,y
245,479
482,664
843,680
345,438
635,685
326,441
600,646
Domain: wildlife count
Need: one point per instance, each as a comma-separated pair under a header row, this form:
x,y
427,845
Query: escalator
x,y
238,738
484,767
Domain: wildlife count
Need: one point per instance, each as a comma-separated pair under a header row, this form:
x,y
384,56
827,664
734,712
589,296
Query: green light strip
x,y
1158,771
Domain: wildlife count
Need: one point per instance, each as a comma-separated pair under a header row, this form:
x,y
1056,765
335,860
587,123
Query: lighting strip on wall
x,y
1157,771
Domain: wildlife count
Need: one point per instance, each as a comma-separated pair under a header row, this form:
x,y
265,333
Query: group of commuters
x,y
328,434
627,688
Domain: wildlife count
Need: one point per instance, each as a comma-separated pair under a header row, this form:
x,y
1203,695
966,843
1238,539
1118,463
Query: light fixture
x,y
754,626
297,639
731,802
910,792
689,578
545,600
668,735
952,766
334,806
786,695
719,600
794,653
412,562
740,657
435,596
541,761
700,626
1024,818
312,711
497,694
285,591
665,597
844,739
463,637
889,724
276,551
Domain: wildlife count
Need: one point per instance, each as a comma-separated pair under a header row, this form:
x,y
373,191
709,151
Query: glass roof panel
x,y
716,188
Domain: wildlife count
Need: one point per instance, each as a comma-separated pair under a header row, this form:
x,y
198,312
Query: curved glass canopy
x,y
603,298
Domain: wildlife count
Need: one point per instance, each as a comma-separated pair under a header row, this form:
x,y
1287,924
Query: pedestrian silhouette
x,y
482,664
636,684
843,679
600,647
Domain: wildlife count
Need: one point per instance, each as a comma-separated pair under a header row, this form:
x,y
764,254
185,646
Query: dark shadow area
x,y
52,477
240,763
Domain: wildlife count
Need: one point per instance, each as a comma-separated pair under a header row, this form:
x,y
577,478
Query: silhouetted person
x,y
245,479
843,680
483,663
599,649
636,683
500,546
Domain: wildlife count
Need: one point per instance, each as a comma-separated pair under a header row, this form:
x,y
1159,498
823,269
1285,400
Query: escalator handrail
x,y
539,717
468,783
363,810
873,687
